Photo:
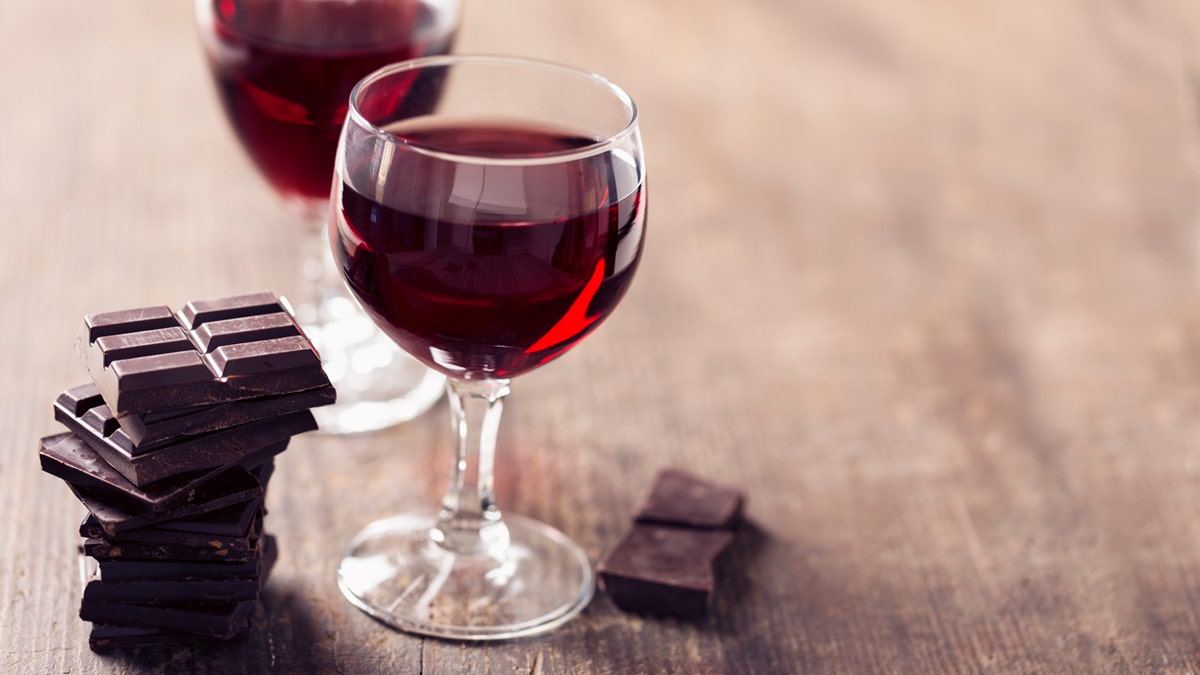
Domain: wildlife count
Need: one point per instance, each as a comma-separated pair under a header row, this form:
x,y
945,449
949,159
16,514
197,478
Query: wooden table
x,y
924,278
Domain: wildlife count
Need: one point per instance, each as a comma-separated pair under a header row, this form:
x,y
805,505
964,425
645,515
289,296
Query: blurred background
x,y
921,277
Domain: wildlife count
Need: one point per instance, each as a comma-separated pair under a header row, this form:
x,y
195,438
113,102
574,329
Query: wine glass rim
x,y
596,147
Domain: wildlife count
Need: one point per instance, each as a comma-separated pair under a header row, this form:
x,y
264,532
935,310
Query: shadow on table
x,y
282,634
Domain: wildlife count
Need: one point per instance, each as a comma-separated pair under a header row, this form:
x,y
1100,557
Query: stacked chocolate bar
x,y
170,448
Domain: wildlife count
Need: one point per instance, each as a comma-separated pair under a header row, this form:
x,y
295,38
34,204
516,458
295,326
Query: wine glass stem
x,y
319,280
469,522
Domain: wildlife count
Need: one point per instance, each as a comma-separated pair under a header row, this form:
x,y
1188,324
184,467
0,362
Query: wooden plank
x,y
921,278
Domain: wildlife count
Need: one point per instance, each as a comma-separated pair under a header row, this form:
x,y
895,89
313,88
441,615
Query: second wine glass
x,y
283,70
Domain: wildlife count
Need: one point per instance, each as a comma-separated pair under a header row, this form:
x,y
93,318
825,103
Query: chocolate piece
x,y
159,591
214,351
106,637
202,583
667,570
70,458
83,410
155,534
157,427
130,320
198,312
223,620
679,498
215,550
235,445
229,521
117,569
222,514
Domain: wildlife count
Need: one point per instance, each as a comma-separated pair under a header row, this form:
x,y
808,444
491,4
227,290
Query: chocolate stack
x,y
170,448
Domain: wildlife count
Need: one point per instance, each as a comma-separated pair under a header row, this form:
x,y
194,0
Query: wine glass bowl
x,y
284,70
488,213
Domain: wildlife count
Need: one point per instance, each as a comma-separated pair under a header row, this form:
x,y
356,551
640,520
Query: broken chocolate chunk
x,y
679,498
667,562
106,637
668,570
224,620
159,583
70,458
240,445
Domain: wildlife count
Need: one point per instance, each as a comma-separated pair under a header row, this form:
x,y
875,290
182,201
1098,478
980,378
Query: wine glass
x,y
283,70
488,213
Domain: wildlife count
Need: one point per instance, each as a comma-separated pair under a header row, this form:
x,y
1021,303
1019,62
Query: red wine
x,y
284,71
489,271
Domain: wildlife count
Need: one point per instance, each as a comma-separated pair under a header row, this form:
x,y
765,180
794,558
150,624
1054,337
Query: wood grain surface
x,y
923,278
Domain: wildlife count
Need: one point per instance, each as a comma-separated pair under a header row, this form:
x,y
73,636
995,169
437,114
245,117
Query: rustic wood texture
x,y
922,277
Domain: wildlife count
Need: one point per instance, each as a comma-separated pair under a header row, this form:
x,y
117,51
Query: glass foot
x,y
395,572
378,385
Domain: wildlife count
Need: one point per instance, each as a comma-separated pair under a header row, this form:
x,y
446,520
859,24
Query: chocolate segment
x,y
82,409
213,550
70,458
119,570
160,591
198,312
212,352
667,570
226,514
246,444
174,582
127,321
152,428
229,521
105,638
241,445
156,534
223,620
679,498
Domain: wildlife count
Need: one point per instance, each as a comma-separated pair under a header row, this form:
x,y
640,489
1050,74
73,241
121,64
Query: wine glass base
x,y
393,571
378,386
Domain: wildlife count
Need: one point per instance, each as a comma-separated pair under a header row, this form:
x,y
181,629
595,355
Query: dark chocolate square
x,y
663,569
680,498
215,351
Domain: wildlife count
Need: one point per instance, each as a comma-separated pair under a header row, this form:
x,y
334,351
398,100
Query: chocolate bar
x,y
664,569
160,583
212,352
70,458
228,521
147,428
233,445
223,514
165,591
224,620
117,569
155,534
215,550
679,498
106,637
83,410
